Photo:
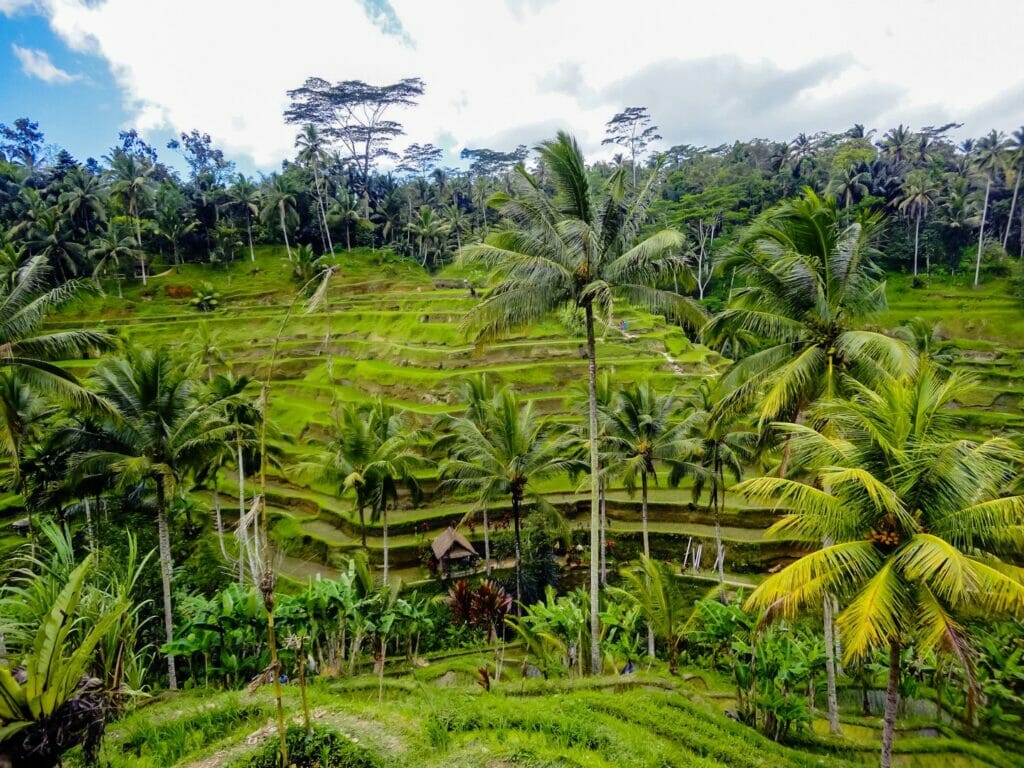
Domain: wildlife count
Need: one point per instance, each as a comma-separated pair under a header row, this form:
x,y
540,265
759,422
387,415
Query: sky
x,y
504,72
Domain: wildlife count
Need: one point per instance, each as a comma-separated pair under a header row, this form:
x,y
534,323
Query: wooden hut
x,y
450,547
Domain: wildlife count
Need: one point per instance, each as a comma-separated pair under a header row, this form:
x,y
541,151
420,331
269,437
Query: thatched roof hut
x,y
450,545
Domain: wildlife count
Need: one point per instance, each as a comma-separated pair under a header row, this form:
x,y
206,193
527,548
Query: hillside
x,y
390,329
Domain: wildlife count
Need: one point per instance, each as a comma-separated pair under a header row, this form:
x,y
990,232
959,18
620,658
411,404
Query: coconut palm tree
x,y
109,248
23,308
583,250
243,195
1017,149
503,456
850,185
809,279
917,196
429,229
914,518
717,442
989,157
897,144
279,200
131,185
313,154
641,431
160,431
373,454
52,239
345,209
83,199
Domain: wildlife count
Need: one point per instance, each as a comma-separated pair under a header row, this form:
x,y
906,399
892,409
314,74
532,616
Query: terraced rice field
x,y
390,329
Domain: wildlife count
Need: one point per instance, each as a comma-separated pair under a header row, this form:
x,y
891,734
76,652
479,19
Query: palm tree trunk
x,y
1013,205
90,531
892,700
362,524
917,231
248,227
487,545
164,536
604,538
384,524
830,669
716,488
241,509
647,551
284,231
219,522
981,234
595,506
517,543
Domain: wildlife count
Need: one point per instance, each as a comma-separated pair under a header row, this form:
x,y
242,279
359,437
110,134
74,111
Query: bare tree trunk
x,y
892,700
219,522
384,524
1013,205
284,231
981,234
595,507
830,668
248,227
604,536
917,231
487,544
164,536
90,531
517,543
647,551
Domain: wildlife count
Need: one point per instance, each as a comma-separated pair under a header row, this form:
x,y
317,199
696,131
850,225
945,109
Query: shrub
x,y
320,748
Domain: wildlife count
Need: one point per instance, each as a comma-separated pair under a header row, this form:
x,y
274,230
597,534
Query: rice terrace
x,y
413,415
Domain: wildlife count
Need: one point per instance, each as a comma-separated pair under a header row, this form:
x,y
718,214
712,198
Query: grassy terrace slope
x,y
390,329
437,717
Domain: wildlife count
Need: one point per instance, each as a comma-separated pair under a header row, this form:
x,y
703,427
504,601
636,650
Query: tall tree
x,y
279,200
245,196
917,196
988,158
641,431
809,279
580,251
632,130
160,431
503,455
354,113
131,185
914,517
313,154
372,454
1017,149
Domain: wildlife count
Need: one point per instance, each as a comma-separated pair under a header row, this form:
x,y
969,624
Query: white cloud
x,y
500,72
36,63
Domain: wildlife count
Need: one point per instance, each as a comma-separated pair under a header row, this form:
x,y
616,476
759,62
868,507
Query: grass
x,y
436,716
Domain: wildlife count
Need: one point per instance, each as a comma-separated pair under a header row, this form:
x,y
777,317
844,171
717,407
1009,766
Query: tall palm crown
x,y
373,455
83,198
159,431
809,278
279,200
988,156
917,196
53,238
916,519
504,455
717,443
578,249
640,432
245,196
131,185
23,307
